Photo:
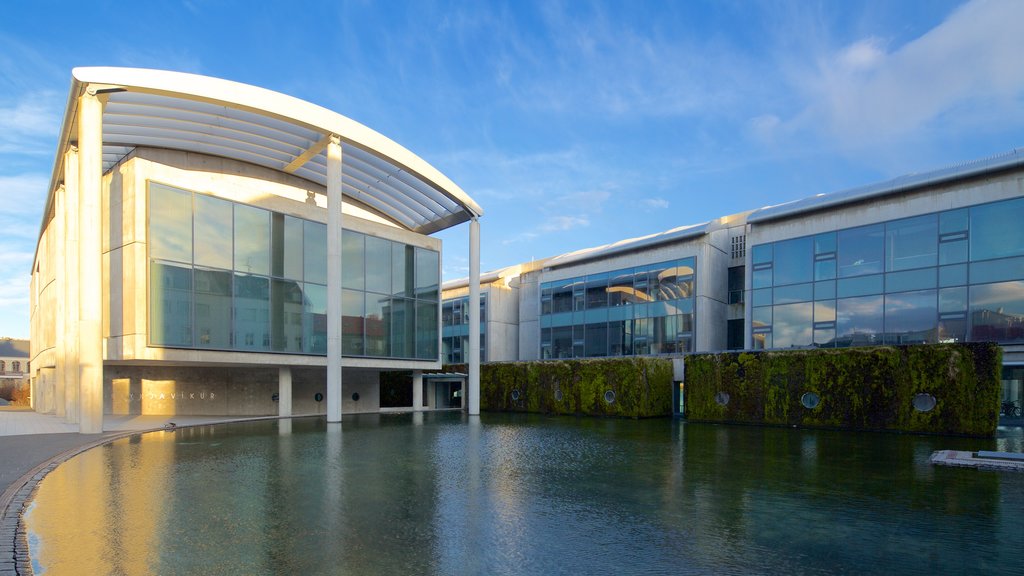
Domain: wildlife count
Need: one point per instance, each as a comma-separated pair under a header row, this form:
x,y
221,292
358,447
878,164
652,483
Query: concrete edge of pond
x,y
14,553
962,459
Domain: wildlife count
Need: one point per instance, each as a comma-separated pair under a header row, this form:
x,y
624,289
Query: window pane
x,y
825,243
792,325
314,252
859,320
314,322
352,272
955,275
561,296
911,317
825,290
997,311
911,243
426,329
825,269
213,309
427,275
953,221
213,234
401,320
825,311
252,240
825,337
378,266
170,223
761,254
953,252
352,323
861,250
252,312
561,342
996,230
859,286
620,338
997,270
761,278
170,305
793,293
375,323
793,261
286,246
910,280
597,291
402,259
286,309
952,300
597,339
762,297
620,288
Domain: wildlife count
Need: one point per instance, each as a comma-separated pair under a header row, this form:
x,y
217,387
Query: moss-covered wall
x,y
869,388
642,387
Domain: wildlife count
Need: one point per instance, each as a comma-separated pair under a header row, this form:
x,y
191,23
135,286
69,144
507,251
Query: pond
x,y
443,493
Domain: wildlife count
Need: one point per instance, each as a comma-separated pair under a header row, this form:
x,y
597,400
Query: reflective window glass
x,y
997,311
561,342
952,330
760,254
825,269
762,297
792,325
213,309
761,278
859,320
402,262
252,312
375,323
953,252
170,310
401,319
561,296
378,265
793,261
213,234
911,317
825,290
861,250
953,221
286,316
952,300
314,252
426,329
825,243
997,270
427,274
314,322
620,288
847,287
596,340
910,280
597,291
911,243
954,275
352,323
825,311
353,246
170,223
286,253
996,230
761,318
825,337
252,240
793,293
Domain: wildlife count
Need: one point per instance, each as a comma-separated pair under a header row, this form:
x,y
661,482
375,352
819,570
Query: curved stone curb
x,y
14,552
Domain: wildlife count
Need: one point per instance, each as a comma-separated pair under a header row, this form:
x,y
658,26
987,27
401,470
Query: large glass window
x,y
911,243
793,261
910,317
997,312
996,230
861,250
252,279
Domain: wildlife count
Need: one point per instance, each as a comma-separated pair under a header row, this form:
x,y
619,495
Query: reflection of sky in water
x,y
439,493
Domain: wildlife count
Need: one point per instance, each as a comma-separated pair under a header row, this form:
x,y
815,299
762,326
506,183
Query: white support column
x,y
90,263
334,279
473,394
68,267
284,391
59,279
417,390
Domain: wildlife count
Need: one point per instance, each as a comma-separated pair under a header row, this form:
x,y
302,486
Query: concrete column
x,y
58,223
90,263
334,279
473,394
68,267
417,390
284,391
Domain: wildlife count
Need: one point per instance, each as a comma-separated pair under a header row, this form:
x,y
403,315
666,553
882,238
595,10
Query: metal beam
x,y
309,153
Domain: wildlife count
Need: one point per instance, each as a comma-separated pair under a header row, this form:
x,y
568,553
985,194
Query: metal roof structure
x,y
1012,159
188,112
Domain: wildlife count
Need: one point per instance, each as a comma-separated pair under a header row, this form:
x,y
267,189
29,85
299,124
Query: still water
x,y
441,493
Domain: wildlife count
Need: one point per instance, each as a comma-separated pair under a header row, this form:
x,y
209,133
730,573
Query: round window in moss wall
x,y
924,402
609,396
721,398
810,400
558,395
515,394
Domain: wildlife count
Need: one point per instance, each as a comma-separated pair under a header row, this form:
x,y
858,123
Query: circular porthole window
x,y
721,398
558,395
810,400
515,394
609,396
355,396
318,397
924,402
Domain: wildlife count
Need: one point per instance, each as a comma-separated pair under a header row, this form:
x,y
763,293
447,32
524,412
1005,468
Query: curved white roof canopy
x,y
180,111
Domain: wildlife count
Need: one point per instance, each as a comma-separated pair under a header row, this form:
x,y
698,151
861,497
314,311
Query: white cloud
x,y
863,93
655,203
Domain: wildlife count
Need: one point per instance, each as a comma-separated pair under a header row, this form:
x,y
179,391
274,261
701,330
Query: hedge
x,y
870,388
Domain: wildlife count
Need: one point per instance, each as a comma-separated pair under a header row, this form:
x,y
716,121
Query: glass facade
x,y
228,276
942,277
632,311
455,330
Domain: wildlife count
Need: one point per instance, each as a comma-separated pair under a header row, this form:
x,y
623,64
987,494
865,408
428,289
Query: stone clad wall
x,y
870,388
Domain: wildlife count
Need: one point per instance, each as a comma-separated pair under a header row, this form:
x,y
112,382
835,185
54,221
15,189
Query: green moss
x,y
860,388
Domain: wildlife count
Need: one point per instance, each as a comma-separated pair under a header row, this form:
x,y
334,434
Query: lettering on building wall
x,y
177,396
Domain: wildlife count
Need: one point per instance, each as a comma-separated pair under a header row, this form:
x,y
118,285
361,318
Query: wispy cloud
x,y
655,203
869,91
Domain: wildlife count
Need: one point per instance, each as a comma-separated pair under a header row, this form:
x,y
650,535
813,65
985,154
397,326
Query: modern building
x,y
925,258
210,247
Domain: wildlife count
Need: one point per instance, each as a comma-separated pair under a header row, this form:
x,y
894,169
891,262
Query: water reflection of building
x,y
183,263
927,258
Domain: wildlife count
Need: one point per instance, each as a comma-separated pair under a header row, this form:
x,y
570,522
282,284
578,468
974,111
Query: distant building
x,y
925,258
14,358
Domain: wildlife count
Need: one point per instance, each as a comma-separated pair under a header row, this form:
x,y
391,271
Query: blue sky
x,y
573,124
